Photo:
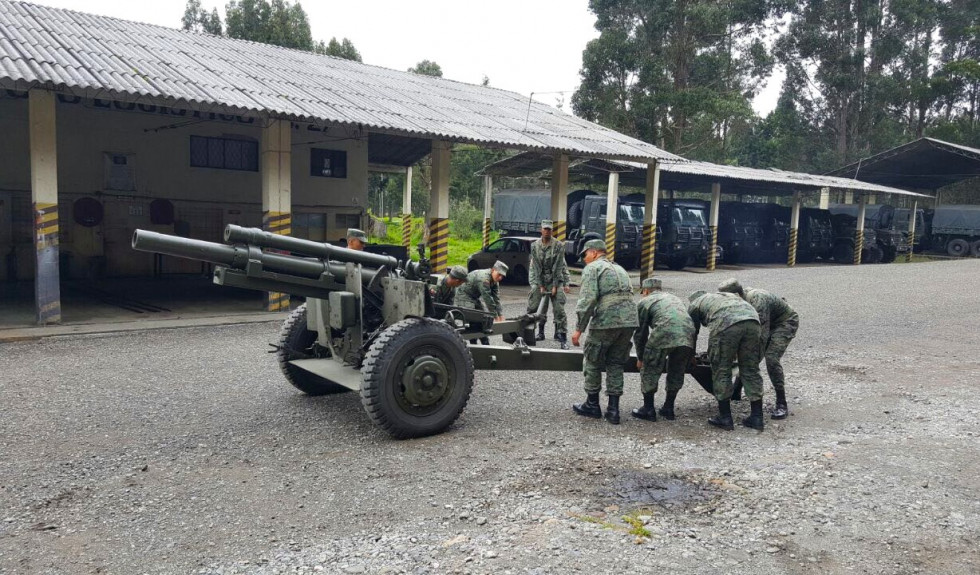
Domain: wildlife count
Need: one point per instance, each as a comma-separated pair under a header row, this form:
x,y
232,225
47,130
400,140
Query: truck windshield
x,y
691,216
632,213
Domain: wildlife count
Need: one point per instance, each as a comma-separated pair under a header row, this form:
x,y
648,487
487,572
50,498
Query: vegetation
x,y
460,248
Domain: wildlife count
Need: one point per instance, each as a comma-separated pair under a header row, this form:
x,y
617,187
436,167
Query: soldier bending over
x,y
480,291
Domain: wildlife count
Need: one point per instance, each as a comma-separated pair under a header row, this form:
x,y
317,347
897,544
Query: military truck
x,y
902,223
740,231
954,229
880,218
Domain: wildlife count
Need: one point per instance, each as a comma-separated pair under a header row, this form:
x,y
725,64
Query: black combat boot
x,y
612,410
590,408
667,411
648,411
724,417
755,421
562,338
737,389
540,336
781,410
485,340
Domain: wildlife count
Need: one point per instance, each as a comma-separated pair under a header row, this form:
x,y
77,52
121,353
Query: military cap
x,y
593,245
651,283
696,295
730,285
501,268
457,272
357,234
548,224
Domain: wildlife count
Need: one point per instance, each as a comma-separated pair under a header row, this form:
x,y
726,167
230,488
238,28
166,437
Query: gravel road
x,y
184,451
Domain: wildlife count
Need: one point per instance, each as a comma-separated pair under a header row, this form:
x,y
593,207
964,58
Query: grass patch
x,y
597,521
636,526
459,249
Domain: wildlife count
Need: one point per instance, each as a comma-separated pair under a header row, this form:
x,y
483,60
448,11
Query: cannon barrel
x,y
256,237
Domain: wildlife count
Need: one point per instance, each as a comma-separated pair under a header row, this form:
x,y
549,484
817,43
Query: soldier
x,y
665,338
445,291
606,304
356,239
480,291
549,279
779,324
735,329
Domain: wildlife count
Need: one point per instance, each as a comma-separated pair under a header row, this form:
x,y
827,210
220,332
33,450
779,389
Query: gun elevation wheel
x,y
297,342
418,376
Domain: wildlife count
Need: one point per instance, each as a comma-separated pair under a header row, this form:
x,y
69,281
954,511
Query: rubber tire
x,y
805,257
518,276
889,255
575,215
958,248
975,249
677,263
844,253
872,255
294,336
732,257
383,362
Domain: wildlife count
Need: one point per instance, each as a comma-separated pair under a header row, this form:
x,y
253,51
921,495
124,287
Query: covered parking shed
x,y
113,125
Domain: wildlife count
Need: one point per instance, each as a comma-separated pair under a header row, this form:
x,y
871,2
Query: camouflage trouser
x,y
561,320
606,350
674,359
741,341
779,339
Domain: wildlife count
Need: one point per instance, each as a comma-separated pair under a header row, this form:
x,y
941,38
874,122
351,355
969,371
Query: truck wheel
x,y
518,276
975,249
677,263
889,255
418,376
575,215
297,342
958,248
844,254
873,255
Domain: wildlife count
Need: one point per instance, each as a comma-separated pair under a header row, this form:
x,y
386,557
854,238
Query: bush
x,y
465,220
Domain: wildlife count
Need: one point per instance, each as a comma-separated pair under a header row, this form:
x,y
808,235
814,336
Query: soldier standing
x,y
356,239
779,323
481,291
444,292
735,330
665,338
606,306
549,279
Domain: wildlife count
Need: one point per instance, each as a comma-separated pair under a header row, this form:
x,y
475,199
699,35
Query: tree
x,y
197,19
427,68
344,49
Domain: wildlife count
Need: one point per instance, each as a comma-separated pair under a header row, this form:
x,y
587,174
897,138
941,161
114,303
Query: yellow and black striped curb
x,y
611,241
439,244
791,257
858,245
712,248
407,230
45,225
559,230
648,254
486,232
279,223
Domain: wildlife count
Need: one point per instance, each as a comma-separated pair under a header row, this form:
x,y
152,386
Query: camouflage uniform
x,y
665,338
479,292
548,270
779,324
606,303
442,292
735,330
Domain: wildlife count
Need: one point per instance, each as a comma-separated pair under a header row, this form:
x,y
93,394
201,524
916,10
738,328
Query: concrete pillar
x,y
915,206
559,194
859,232
794,227
407,211
276,190
713,225
824,198
439,207
487,206
44,196
612,210
651,204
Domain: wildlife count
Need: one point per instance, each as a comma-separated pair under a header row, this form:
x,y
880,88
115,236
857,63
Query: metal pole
x,y
794,226
612,211
859,232
649,253
713,225
915,207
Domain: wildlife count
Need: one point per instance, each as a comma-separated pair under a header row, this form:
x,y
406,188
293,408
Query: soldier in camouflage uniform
x,y
480,291
665,338
605,305
549,279
735,330
779,324
444,292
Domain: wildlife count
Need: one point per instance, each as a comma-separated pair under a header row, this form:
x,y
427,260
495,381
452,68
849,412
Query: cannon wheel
x,y
297,342
418,376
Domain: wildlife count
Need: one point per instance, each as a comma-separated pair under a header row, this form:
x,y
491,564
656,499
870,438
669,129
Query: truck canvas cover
x,y
956,220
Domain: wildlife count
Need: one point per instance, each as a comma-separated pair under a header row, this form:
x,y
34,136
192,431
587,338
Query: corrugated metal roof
x,y
926,163
96,56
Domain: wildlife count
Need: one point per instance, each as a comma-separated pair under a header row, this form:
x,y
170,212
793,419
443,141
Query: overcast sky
x,y
526,46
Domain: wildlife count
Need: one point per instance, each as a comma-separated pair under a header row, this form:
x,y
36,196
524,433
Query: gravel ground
x,y
184,451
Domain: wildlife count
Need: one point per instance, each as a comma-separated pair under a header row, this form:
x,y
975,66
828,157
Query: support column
x,y
439,207
713,225
44,196
276,191
487,207
859,232
651,204
407,211
824,198
559,195
612,210
915,207
794,228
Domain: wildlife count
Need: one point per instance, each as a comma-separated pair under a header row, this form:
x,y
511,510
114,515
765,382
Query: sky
x,y
532,47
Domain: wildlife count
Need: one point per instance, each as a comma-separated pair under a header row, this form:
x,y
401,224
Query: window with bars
x,y
224,153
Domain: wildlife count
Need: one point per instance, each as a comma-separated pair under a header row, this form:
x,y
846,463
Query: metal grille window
x,y
328,163
224,153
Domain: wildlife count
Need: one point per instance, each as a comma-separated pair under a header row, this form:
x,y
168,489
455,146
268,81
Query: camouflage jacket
x,y
442,292
479,286
606,297
772,309
718,311
664,323
548,268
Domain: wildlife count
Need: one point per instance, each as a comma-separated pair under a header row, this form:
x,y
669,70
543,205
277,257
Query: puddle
x,y
634,488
